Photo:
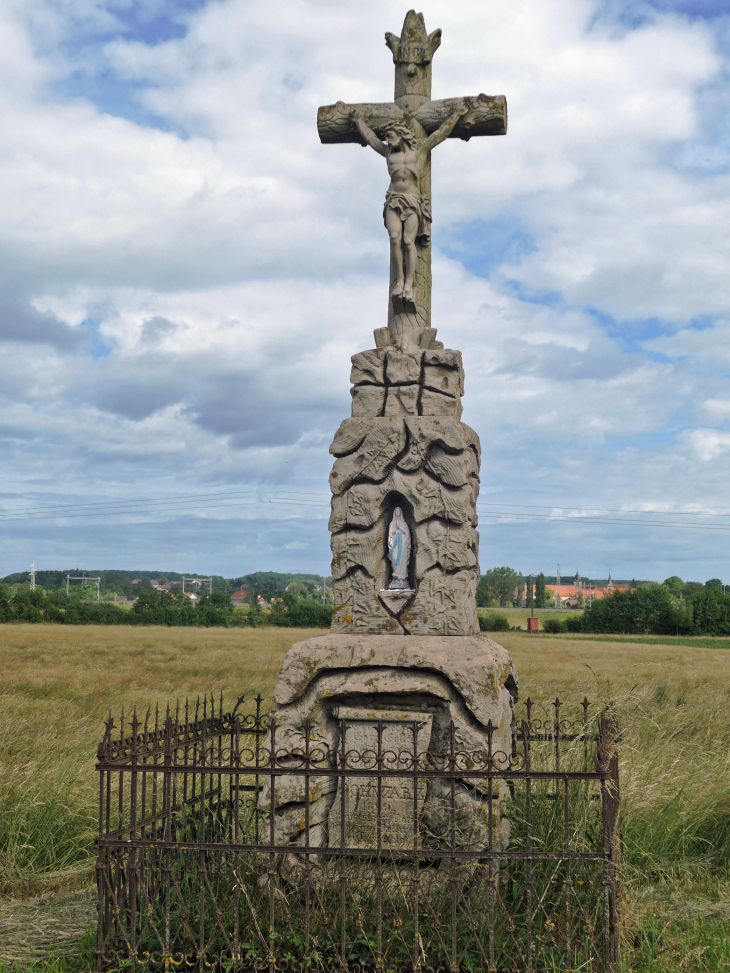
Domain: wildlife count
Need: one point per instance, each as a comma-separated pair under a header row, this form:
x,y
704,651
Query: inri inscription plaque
x,y
397,804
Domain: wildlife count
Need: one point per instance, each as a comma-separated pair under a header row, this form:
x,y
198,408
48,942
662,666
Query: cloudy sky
x,y
185,272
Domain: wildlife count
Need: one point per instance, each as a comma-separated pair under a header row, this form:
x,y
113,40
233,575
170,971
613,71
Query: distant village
x,y
263,588
498,587
578,593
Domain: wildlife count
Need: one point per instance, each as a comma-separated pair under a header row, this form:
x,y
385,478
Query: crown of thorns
x,y
398,128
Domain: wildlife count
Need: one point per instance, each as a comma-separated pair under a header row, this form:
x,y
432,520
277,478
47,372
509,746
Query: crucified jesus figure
x,y
407,212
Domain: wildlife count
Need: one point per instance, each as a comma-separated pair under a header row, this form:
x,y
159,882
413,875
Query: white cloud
x,y
179,306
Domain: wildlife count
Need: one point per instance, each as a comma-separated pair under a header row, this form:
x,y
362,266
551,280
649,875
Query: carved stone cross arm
x,y
487,115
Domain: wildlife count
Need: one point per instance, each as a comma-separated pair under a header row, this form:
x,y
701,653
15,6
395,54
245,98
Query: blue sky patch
x,y
634,13
642,441
97,346
144,21
151,23
631,335
481,245
113,95
157,26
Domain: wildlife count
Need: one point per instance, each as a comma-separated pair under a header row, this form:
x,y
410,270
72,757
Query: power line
x,y
176,498
128,513
282,495
526,518
301,503
171,504
108,509
608,510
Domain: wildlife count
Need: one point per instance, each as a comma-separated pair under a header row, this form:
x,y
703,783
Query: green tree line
x,y
157,608
671,608
504,586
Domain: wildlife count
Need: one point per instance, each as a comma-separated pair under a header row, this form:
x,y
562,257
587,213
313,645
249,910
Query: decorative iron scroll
x,y
192,873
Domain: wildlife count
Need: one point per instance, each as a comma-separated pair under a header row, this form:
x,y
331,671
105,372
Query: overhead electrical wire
x,y
607,510
525,518
128,507
537,506
507,512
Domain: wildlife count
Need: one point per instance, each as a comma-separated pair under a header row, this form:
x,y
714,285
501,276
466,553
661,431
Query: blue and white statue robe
x,y
399,550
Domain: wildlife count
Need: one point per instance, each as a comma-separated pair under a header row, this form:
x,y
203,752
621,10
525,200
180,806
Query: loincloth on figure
x,y
411,204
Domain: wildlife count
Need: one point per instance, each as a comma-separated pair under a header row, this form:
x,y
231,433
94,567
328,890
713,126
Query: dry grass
x,y
58,683
57,686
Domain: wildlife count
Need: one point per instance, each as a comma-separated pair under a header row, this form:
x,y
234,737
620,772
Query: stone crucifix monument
x,y
411,126
405,649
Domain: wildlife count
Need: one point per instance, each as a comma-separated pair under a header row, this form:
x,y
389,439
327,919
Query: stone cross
x,y
411,126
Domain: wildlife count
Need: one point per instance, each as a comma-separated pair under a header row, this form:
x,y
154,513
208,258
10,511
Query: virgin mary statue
x,y
399,550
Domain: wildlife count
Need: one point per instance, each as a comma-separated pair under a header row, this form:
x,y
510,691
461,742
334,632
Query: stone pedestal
x,y
413,688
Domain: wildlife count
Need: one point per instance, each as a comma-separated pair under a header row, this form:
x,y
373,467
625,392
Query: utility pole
x,y
532,622
557,590
32,575
198,581
84,582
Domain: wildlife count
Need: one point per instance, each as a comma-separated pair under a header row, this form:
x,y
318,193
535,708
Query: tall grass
x,y
673,704
47,812
58,683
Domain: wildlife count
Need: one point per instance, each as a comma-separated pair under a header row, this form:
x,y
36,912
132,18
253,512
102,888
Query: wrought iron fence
x,y
447,860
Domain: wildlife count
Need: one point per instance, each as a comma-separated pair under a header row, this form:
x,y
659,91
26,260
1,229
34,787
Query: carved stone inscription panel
x,y
397,793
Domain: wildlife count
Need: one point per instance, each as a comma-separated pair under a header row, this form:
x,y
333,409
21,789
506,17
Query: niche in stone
x,y
399,536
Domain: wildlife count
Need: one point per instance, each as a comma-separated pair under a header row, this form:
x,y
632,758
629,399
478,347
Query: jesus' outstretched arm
x,y
445,130
369,135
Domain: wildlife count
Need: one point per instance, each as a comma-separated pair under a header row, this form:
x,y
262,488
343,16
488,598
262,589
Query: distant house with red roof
x,y
240,596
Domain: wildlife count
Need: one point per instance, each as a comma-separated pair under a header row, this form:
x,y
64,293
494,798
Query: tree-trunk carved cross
x,y
404,132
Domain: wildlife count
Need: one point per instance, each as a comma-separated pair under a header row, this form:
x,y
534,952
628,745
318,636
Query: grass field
x,y
57,683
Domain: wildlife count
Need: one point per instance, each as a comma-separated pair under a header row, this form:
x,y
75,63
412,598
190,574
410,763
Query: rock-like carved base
x,y
428,466
325,680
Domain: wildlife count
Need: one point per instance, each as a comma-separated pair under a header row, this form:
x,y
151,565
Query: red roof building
x,y
586,588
